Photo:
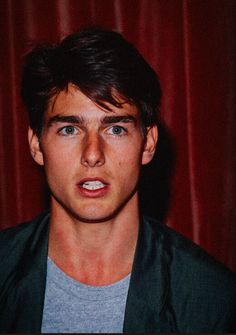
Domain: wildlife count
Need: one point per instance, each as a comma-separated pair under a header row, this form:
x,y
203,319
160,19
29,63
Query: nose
x,y
93,151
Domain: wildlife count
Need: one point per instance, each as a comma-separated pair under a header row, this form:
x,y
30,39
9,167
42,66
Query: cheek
x,y
128,166
127,161
56,166
56,155
130,149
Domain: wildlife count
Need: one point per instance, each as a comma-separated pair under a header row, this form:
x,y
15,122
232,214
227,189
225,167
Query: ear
x,y
150,144
35,148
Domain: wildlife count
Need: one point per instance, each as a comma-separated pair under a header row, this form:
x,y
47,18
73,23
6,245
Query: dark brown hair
x,y
99,62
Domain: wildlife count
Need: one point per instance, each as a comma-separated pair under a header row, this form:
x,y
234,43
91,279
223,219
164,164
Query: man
x,y
94,263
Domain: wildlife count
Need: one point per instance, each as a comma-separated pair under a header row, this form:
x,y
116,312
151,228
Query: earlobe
x,y
34,145
150,144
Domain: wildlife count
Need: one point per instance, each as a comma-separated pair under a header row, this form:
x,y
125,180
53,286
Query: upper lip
x,y
82,181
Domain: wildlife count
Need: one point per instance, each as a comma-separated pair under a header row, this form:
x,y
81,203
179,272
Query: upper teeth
x,y
93,185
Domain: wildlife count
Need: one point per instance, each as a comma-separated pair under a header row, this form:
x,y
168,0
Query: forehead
x,y
73,102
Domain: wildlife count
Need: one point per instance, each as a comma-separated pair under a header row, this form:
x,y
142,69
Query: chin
x,y
92,215
97,214
93,218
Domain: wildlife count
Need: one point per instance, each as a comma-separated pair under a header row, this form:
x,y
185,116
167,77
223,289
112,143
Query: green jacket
x,y
174,286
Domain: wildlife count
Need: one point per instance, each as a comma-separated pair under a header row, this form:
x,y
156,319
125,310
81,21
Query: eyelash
x,y
62,131
123,130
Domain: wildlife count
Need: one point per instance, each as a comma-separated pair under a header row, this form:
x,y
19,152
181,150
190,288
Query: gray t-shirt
x,y
73,307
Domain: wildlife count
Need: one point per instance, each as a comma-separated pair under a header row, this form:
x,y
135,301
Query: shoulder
x,y
14,240
183,250
189,266
25,228
198,284
177,245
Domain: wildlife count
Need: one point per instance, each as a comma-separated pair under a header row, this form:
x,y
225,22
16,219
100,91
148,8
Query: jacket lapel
x,y
26,284
146,307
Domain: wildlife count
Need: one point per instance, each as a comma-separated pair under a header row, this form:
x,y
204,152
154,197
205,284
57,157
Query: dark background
x,y
191,184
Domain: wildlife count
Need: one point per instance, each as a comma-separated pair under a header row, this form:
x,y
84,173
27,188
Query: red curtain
x,y
192,45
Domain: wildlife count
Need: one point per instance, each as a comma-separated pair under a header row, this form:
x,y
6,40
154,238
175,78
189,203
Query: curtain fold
x,y
192,46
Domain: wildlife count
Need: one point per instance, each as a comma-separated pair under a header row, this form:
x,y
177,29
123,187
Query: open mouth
x,y
93,188
92,185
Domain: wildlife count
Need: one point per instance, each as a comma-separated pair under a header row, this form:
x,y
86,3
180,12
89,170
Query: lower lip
x,y
93,193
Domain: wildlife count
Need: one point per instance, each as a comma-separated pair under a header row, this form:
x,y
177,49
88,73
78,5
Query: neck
x,y
94,253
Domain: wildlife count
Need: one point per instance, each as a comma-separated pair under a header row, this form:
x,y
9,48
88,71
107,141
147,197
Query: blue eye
x,y
116,130
68,130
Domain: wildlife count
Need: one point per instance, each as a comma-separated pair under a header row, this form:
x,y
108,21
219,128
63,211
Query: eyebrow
x,y
64,119
78,120
119,118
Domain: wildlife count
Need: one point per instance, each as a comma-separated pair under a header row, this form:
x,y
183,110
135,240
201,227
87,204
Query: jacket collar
x,y
149,283
31,279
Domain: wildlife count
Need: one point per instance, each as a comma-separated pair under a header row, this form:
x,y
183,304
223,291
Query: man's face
x,y
92,157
